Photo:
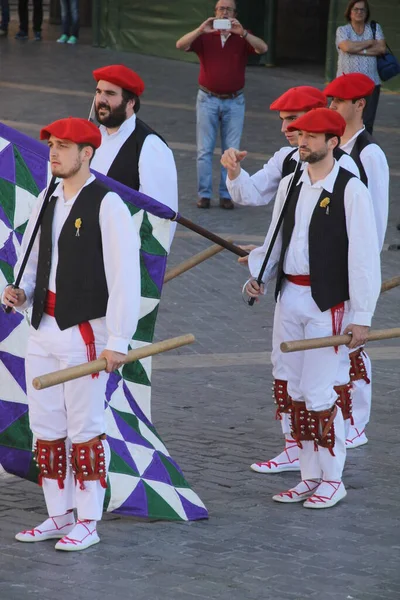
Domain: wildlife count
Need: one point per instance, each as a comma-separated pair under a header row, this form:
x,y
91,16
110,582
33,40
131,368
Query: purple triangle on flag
x,y
4,218
8,322
193,512
7,164
16,366
136,503
156,471
112,385
15,461
119,447
36,165
135,406
10,412
128,433
154,266
7,252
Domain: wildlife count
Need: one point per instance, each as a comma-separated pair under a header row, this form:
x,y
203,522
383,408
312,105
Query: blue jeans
x,y
214,114
5,14
70,17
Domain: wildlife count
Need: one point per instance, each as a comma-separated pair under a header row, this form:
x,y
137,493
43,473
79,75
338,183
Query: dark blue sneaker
x,y
38,36
21,35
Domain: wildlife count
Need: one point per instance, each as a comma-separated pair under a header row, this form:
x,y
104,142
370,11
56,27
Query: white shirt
x,y
377,170
357,63
260,188
157,170
363,256
121,263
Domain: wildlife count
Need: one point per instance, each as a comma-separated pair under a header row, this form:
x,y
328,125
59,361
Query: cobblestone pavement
x,y
213,408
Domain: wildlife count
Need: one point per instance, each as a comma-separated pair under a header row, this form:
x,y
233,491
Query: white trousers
x,y
312,374
73,410
278,366
362,397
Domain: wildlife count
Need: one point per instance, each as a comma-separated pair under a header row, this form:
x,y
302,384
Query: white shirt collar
x,y
351,141
128,126
326,184
59,190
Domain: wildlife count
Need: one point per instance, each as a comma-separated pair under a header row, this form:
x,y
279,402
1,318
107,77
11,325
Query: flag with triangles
x,y
143,478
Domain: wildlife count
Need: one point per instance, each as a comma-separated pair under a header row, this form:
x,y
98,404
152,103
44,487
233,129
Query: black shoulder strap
x,y
373,27
289,164
338,153
362,141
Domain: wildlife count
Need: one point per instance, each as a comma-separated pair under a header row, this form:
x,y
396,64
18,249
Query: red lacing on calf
x,y
344,401
88,462
281,398
299,421
322,429
51,459
358,369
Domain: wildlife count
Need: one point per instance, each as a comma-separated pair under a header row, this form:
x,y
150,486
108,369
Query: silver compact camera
x,y
222,24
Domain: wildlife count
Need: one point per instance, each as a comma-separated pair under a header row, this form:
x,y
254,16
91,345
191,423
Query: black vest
x,y
363,140
289,163
125,167
81,284
328,245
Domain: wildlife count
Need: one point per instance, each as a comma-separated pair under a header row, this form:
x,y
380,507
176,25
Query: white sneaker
x,y
83,535
51,529
288,460
328,494
303,490
355,438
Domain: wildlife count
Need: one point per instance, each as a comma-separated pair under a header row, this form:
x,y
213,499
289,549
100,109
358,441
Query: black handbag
x,y
387,64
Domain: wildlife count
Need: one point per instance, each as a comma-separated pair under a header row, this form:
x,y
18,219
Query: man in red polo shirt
x,y
223,55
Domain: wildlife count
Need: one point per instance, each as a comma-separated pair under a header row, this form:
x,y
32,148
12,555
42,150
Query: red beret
x,y
299,98
121,76
320,120
350,87
79,131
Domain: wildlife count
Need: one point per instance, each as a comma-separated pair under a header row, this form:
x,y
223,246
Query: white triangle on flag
x,y
17,340
153,439
4,233
141,455
191,496
168,493
147,305
3,144
24,203
161,230
9,388
122,486
142,396
112,428
138,219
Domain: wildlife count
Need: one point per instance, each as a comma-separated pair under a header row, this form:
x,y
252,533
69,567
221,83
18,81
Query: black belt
x,y
222,96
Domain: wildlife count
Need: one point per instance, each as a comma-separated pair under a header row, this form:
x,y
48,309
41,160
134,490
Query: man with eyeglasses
x,y
223,55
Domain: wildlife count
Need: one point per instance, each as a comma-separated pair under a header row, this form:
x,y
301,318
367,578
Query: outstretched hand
x,y
231,160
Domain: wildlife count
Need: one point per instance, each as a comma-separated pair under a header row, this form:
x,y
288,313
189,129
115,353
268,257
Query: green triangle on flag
x,y
177,478
129,418
21,228
23,176
146,325
132,208
18,434
7,271
149,243
33,471
136,373
158,508
7,195
118,465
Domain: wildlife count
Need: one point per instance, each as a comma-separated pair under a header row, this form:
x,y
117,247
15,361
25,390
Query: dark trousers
x,y
370,109
5,14
37,15
70,17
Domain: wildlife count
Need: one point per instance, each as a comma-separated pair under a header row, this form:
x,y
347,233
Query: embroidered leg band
x,y
51,458
88,461
322,429
281,398
357,366
344,401
300,425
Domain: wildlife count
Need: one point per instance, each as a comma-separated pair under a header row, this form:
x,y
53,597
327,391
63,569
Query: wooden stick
x,y
337,340
57,377
192,262
210,236
389,284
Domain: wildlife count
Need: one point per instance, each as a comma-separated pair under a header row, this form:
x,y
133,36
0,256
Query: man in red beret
x,y
80,279
131,152
328,282
223,46
257,190
349,93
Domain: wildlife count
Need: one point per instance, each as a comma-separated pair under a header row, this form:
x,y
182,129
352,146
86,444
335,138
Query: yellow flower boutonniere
x,y
325,204
78,225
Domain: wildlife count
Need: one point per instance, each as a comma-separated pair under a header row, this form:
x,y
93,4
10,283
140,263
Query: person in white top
x,y
260,189
326,261
82,280
349,93
131,152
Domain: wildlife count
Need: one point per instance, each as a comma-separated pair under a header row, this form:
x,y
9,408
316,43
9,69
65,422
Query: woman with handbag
x,y
359,44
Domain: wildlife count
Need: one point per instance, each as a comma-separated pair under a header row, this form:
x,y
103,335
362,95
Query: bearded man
x,y
131,152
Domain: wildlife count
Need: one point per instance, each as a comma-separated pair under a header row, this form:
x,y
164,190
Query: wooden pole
x,y
192,262
57,377
210,235
337,340
389,284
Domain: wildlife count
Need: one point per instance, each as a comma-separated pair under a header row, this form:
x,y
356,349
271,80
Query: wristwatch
x,y
365,51
245,34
